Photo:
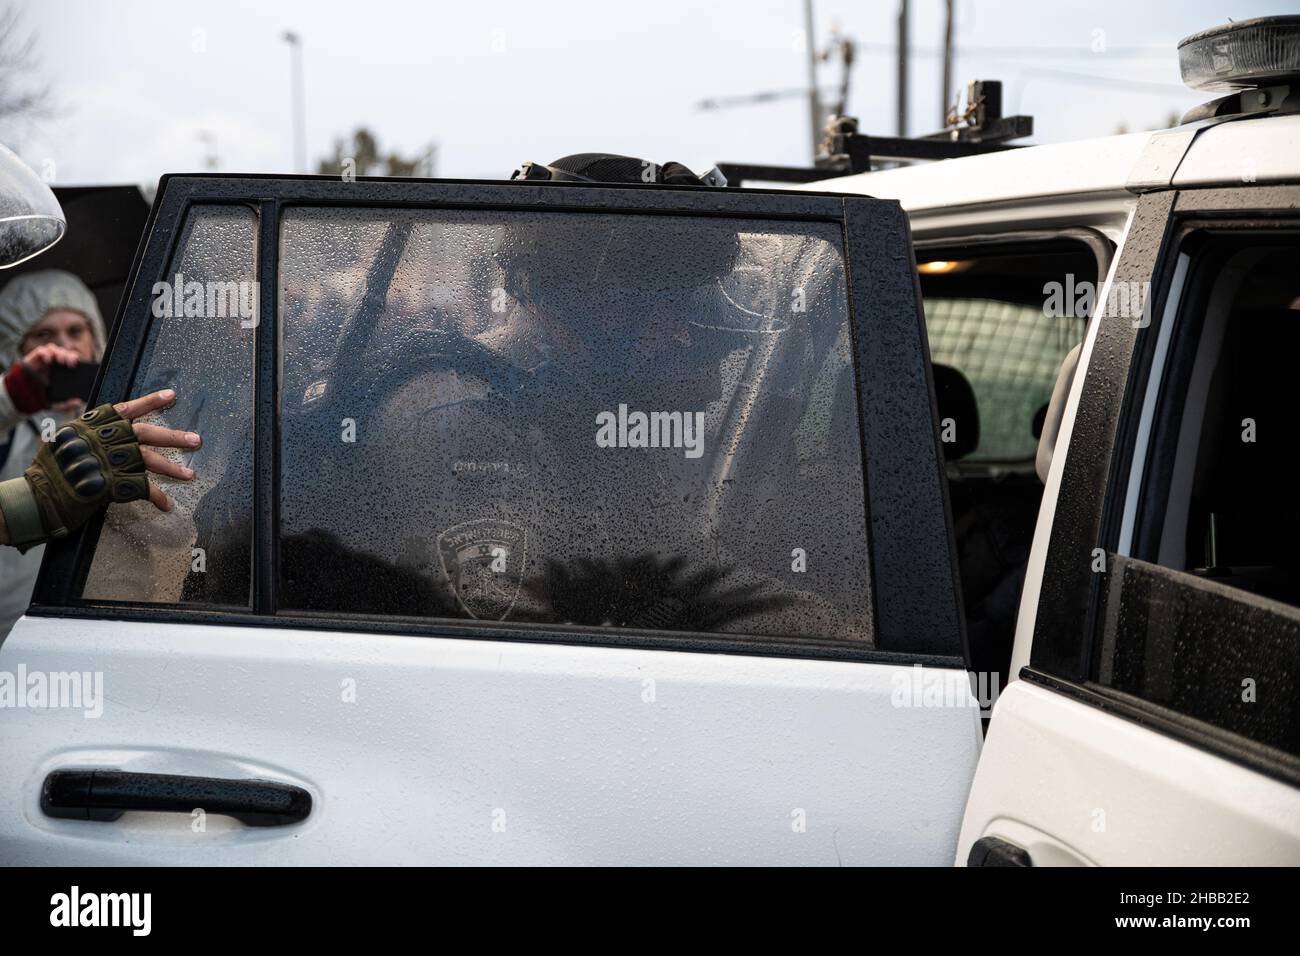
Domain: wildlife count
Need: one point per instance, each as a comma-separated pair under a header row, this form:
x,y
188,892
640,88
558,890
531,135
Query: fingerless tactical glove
x,y
91,461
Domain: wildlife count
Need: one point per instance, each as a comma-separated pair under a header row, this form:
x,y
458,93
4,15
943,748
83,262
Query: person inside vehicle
x,y
50,318
480,391
479,388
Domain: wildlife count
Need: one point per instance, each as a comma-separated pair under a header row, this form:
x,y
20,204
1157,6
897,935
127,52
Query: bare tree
x,y
23,99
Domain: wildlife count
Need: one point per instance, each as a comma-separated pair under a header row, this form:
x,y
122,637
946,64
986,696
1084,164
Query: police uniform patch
x,y
484,561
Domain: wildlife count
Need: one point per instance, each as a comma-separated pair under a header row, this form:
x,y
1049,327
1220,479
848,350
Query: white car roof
x,y
1259,149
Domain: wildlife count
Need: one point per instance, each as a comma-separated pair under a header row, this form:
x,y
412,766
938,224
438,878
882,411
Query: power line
x,y
1113,82
890,49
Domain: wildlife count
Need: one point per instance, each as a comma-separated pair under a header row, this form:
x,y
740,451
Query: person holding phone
x,y
50,327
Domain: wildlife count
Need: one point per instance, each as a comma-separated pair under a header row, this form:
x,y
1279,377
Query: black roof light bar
x,y
980,129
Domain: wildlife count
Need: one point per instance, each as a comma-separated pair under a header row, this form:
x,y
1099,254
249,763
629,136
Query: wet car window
x,y
200,343
570,418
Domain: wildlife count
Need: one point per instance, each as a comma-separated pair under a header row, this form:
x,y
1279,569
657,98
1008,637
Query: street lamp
x,y
814,101
297,96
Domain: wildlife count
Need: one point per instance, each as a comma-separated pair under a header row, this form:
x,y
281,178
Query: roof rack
x,y
980,129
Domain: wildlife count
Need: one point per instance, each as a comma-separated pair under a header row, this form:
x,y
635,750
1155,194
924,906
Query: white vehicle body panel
x,y
1242,152
1081,168
577,755
1227,152
1081,183
1104,212
1075,785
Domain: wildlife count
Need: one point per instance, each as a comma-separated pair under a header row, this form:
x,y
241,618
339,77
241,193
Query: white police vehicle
x,y
415,611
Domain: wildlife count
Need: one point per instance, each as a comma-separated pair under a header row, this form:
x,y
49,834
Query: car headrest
x,y
956,401
1055,412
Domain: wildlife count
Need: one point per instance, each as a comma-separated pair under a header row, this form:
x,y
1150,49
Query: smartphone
x,y
71,381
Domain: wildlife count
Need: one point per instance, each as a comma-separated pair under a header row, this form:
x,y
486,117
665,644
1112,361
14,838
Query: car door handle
x,y
995,851
107,794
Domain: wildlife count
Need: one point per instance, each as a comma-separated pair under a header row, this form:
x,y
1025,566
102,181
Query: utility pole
x,y
814,102
947,64
297,95
902,68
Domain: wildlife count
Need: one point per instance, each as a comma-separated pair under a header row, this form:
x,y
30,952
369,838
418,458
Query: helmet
x,y
597,276
611,168
534,272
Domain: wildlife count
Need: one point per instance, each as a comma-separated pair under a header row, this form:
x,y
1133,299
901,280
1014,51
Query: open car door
x,y
1157,718
533,524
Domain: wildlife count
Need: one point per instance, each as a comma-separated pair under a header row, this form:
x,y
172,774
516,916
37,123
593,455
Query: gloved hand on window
x,y
91,461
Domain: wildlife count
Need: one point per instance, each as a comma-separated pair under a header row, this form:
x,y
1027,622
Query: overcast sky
x,y
497,83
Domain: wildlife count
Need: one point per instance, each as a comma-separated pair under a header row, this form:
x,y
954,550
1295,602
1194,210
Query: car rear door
x,y
533,524
1157,719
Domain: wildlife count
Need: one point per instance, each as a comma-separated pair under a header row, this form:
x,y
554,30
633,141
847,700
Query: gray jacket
x,y
17,571
24,301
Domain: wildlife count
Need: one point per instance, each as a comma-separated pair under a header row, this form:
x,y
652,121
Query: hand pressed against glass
x,y
66,502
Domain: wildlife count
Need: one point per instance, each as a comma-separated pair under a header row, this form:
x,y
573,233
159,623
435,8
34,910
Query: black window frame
x,y
1077,608
915,597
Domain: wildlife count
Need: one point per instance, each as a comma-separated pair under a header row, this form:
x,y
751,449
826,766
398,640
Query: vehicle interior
x,y
1002,317
1219,498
